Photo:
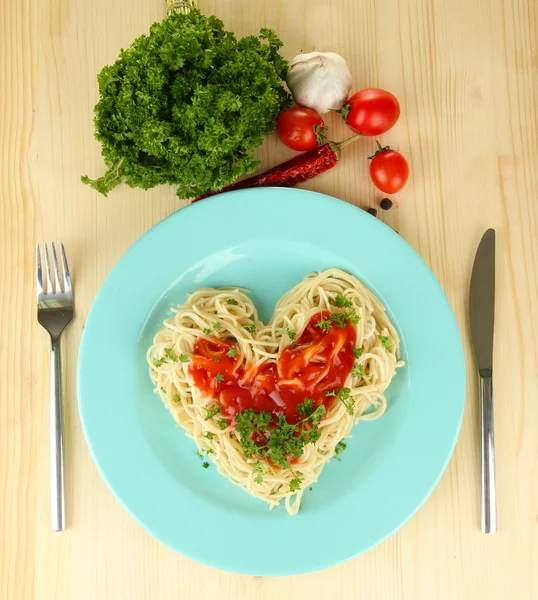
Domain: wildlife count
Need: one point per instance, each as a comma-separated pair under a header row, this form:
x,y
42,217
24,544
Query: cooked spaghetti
x,y
270,405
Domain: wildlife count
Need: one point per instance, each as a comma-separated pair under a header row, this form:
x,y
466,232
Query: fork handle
x,y
57,498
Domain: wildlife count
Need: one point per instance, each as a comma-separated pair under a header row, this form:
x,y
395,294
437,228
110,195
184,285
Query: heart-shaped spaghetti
x,y
270,405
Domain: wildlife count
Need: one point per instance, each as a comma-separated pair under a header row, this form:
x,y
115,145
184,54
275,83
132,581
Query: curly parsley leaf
x,y
184,358
205,465
212,412
217,326
208,435
159,362
250,328
358,370
291,333
206,331
258,471
306,408
176,398
219,377
357,352
170,353
232,352
344,396
340,301
340,447
324,324
295,483
385,340
340,319
232,301
186,105
222,423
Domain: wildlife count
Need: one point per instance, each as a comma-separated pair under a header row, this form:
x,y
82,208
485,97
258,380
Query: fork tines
x,y
56,285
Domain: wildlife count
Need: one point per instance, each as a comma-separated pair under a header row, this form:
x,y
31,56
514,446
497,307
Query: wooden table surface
x,y
466,75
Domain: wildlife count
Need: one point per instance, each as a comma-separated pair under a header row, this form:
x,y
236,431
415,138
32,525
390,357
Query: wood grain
x,y
466,73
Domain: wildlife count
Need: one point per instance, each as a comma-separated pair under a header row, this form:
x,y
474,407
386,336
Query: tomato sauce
x,y
319,361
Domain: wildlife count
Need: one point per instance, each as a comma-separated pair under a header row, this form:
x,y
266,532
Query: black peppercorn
x,y
386,204
373,212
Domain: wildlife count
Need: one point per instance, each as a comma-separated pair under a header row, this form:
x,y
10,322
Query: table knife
x,y
482,310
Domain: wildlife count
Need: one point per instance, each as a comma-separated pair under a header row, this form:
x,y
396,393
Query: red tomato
x,y
371,111
389,171
295,128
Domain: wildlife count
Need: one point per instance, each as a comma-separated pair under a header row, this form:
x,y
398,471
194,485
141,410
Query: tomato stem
x,y
380,150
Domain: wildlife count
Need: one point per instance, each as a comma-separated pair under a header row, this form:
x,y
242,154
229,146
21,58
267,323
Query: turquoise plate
x,y
267,240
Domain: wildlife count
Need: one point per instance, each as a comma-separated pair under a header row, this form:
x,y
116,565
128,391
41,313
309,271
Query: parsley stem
x,y
180,6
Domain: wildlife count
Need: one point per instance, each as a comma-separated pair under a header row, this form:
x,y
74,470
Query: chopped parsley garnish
x,y
208,435
340,447
324,324
358,370
176,398
341,301
291,333
184,358
216,359
212,412
339,319
217,326
170,354
306,408
385,340
251,328
344,396
353,317
263,436
222,423
207,331
159,362
219,377
232,352
232,301
309,489
356,351
258,471
295,483
205,465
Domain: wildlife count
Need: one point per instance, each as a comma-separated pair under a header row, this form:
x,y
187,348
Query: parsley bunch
x,y
186,105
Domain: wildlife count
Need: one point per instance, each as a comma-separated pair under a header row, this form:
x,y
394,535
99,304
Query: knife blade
x,y
482,302
482,314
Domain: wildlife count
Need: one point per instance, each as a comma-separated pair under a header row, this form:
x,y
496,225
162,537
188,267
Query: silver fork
x,y
54,313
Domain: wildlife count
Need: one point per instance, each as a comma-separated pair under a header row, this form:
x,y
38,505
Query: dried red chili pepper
x,y
294,171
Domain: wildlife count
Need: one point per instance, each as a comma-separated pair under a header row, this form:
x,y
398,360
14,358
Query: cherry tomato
x,y
295,128
389,171
371,111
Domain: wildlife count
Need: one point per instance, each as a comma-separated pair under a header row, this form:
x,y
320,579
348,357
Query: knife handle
x,y
489,502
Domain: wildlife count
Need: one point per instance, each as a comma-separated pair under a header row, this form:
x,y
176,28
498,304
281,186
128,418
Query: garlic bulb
x,y
319,80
